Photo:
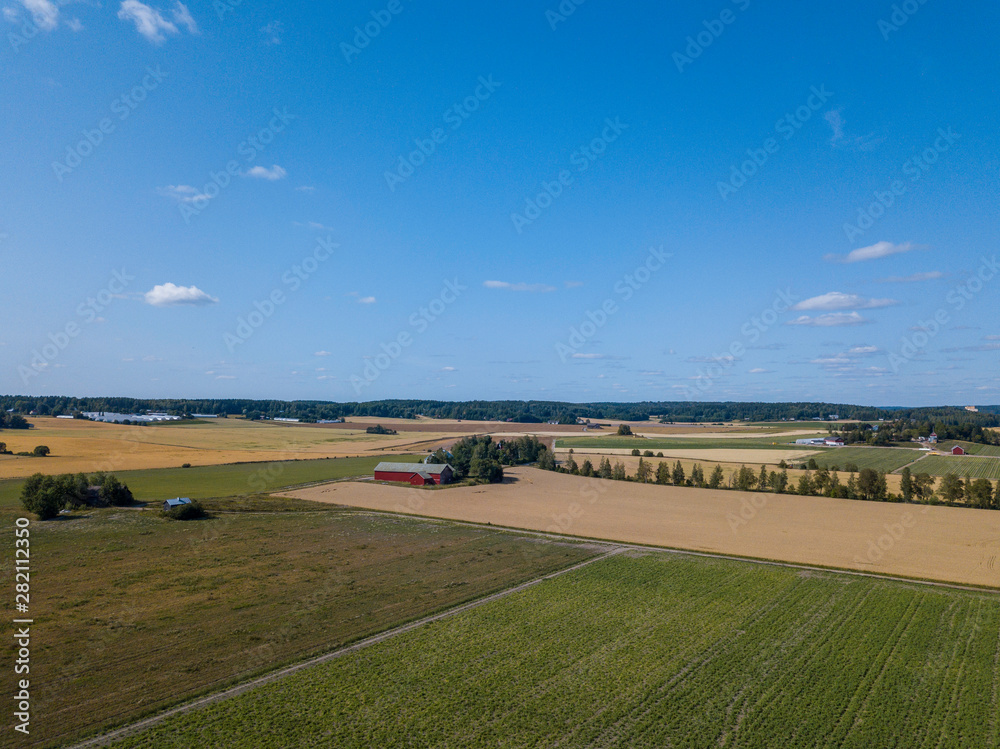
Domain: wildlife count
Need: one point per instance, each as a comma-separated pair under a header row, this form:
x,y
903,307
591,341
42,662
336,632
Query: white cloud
x,y
914,278
75,25
260,172
760,370
873,252
574,284
323,353
313,225
836,300
864,351
272,32
305,188
588,356
183,193
834,319
836,121
534,287
151,24
170,295
448,369
224,377
366,300
44,13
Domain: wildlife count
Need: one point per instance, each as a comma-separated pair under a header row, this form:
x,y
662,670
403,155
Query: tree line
x,y
527,412
47,495
974,428
482,459
866,484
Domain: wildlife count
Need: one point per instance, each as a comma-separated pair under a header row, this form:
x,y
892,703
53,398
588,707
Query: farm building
x,y
173,504
834,442
933,438
417,474
958,450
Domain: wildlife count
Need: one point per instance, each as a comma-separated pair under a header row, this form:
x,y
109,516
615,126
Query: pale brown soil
x,y
938,543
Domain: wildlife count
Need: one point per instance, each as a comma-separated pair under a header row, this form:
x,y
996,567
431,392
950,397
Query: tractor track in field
x,y
141,725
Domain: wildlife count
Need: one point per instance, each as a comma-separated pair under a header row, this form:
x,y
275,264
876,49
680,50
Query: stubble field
x,y
938,543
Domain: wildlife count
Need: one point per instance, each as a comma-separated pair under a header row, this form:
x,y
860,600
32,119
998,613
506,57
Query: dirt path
x,y
239,689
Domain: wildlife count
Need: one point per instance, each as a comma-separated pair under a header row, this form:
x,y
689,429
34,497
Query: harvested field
x,y
752,442
939,543
717,455
85,446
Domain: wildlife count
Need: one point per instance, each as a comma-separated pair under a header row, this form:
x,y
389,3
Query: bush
x,y
186,465
635,452
193,511
624,430
41,451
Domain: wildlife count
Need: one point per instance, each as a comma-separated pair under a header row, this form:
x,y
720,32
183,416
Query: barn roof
x,y
177,502
421,468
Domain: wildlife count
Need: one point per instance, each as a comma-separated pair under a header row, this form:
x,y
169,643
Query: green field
x,y
685,443
972,448
200,482
885,459
965,466
135,613
658,651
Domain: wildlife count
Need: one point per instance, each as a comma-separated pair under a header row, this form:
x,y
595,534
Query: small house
x,y
173,504
958,450
933,438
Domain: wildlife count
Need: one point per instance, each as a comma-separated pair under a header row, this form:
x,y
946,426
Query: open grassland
x,y
136,612
885,459
961,465
953,544
201,482
655,651
683,443
85,446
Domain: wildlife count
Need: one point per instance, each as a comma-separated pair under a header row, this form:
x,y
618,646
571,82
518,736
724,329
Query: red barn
x,y
417,474
958,450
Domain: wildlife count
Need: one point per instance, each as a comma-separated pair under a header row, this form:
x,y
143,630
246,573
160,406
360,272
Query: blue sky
x,y
727,200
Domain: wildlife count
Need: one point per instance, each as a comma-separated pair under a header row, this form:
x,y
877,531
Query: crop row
x,y
966,466
648,652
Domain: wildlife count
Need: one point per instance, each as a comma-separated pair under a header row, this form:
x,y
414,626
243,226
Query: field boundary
x,y
141,725
632,546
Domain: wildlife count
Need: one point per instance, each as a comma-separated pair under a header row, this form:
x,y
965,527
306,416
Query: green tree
x,y
571,466
996,498
662,473
642,471
906,485
635,452
618,472
3,448
805,484
923,487
872,485
605,471
762,479
717,478
545,461
852,486
42,495
41,451
587,468
779,481
678,474
952,488
834,489
698,476
624,430
812,465
979,493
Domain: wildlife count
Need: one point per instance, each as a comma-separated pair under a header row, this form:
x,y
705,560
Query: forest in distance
x,y
527,412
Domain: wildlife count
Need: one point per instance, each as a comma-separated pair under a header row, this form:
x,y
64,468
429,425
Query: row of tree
x,y
518,411
47,495
866,484
13,421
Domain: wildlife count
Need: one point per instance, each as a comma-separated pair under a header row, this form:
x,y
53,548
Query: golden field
x,y
950,544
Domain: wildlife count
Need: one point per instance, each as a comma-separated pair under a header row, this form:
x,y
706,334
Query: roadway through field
x,y
239,689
